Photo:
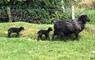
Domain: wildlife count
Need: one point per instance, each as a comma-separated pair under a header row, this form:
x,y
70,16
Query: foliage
x,y
47,10
89,12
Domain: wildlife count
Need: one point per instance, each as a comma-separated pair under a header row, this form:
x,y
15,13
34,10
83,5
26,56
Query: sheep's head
x,y
84,18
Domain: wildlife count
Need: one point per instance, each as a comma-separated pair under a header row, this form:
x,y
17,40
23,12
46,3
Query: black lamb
x,y
14,30
44,32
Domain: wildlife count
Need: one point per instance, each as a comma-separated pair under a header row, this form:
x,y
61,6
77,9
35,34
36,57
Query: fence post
x,y
9,12
73,12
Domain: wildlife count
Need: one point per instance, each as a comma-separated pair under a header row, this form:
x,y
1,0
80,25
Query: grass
x,y
30,29
28,48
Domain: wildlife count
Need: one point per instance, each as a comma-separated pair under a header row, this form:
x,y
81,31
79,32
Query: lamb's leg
x,y
9,34
53,35
46,36
17,34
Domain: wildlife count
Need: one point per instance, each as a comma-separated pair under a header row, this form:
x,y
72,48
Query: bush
x,y
89,12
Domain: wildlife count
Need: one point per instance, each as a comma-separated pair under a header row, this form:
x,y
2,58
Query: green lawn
x,y
28,48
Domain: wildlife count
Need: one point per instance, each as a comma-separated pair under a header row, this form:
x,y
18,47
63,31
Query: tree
x,y
71,4
5,6
9,12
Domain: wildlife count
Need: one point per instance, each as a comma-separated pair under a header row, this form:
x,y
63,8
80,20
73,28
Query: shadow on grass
x,y
65,39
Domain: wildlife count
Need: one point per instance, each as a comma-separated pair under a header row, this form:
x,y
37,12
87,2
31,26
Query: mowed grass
x,y
28,48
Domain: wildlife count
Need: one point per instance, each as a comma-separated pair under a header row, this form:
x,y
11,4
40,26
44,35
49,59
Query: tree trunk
x,y
62,2
9,12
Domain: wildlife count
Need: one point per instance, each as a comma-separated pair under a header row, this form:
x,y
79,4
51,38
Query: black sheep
x,y
44,32
69,27
15,30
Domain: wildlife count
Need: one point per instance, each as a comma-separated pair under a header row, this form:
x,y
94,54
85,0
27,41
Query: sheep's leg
x,y
61,34
76,35
53,36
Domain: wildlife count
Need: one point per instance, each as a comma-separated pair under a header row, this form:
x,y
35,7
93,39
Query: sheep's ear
x,y
81,18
